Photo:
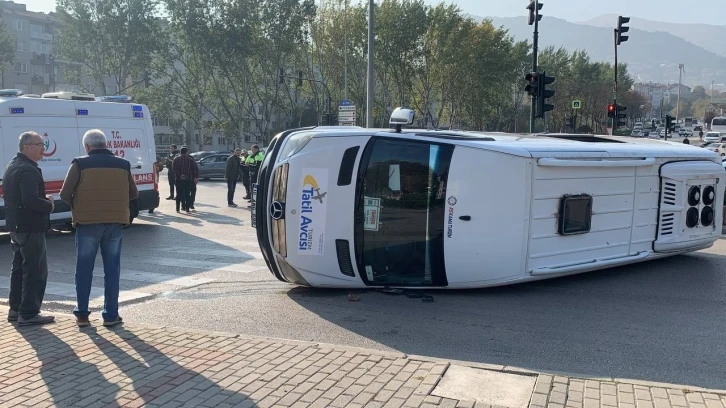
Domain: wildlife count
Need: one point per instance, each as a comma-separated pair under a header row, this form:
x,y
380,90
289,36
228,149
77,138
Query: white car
x,y
712,137
719,148
347,207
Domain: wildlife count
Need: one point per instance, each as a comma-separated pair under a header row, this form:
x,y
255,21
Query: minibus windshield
x,y
400,212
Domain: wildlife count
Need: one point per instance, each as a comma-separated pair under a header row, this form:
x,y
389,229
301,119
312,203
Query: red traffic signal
x,y
532,78
611,110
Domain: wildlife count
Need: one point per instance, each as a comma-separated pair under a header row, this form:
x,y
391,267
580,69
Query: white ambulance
x,y
62,118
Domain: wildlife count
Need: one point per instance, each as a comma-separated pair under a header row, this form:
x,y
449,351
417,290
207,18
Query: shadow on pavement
x,y
152,377
69,380
156,378
658,321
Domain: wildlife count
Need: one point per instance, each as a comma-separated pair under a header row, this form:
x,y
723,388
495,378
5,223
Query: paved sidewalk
x,y
137,365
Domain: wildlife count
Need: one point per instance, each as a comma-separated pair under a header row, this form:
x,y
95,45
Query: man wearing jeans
x,y
27,215
98,188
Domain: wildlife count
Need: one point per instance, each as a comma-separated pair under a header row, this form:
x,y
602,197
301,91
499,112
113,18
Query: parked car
x,y
712,137
719,148
212,166
202,154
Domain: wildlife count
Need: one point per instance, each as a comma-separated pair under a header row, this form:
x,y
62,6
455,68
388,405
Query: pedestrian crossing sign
x,y
576,104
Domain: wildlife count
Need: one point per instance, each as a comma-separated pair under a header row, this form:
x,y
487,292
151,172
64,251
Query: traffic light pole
x,y
535,38
615,87
330,101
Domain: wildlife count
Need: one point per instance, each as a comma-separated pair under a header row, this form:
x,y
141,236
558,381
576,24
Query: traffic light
x,y
543,93
652,124
299,78
147,79
611,110
620,38
670,124
282,76
534,14
531,87
619,109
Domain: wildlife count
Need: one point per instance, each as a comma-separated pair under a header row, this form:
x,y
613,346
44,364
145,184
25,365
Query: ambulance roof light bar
x,y
10,92
75,96
115,98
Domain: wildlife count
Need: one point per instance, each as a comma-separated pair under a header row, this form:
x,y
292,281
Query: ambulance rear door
x,y
127,135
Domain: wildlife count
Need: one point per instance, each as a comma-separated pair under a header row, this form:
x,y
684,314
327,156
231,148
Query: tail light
x,y
1,191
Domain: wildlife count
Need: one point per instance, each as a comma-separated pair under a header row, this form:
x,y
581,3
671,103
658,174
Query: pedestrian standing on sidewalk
x,y
98,187
170,171
231,175
187,175
27,218
192,191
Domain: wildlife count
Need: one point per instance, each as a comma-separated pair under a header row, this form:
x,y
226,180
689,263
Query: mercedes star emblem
x,y
276,210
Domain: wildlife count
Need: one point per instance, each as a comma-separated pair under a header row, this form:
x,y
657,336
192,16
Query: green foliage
x,y
7,47
220,59
109,37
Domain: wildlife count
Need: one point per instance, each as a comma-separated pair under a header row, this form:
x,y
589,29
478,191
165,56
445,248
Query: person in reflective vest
x,y
253,162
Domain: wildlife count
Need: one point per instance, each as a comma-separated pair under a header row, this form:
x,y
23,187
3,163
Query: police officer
x,y
254,160
245,174
170,173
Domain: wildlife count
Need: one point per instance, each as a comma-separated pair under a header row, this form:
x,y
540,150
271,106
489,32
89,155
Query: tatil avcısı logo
x,y
47,141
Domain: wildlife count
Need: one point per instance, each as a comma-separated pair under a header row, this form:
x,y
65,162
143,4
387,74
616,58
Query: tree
x,y
699,92
7,47
110,38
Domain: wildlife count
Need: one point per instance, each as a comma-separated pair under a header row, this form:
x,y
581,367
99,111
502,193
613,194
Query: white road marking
x,y
200,250
69,290
151,277
188,263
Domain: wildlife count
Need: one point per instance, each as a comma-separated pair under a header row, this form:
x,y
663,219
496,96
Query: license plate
x,y
253,209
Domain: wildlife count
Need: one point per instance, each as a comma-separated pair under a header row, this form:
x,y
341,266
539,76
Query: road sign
x,y
346,108
346,102
576,104
346,114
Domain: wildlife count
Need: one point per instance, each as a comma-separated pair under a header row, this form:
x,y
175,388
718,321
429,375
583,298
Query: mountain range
x,y
652,52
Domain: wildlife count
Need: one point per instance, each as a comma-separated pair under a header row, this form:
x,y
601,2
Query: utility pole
x,y
369,102
678,104
345,52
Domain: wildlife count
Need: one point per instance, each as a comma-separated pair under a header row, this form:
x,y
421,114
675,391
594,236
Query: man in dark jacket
x,y
187,175
27,217
231,174
170,171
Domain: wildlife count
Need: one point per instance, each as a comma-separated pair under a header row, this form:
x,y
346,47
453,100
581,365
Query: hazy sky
x,y
677,11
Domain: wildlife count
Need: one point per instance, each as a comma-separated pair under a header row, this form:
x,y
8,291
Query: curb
x,y
393,354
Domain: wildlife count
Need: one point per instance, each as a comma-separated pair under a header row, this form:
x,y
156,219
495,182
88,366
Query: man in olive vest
x,y
98,187
27,217
254,160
